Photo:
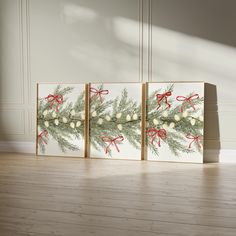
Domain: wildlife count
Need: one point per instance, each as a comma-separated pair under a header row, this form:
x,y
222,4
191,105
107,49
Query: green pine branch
x,y
66,124
118,117
180,125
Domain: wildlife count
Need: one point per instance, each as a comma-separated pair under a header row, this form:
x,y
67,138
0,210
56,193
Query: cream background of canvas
x,y
127,151
52,147
180,89
116,41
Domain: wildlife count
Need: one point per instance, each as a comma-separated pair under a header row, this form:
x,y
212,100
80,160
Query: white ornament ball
x,y
119,126
72,125
172,125
100,121
165,126
72,112
193,121
64,119
56,122
135,116
201,118
108,118
118,115
128,117
177,118
78,123
46,123
45,112
165,114
185,114
82,116
94,114
54,114
155,122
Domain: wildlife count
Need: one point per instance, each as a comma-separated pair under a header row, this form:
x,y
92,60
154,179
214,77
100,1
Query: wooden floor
x,y
71,197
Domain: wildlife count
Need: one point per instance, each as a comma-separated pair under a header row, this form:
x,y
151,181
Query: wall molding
x,y
20,27
220,156
17,147
210,155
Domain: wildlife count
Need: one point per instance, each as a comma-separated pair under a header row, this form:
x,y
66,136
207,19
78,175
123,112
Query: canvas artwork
x,y
115,120
175,121
61,120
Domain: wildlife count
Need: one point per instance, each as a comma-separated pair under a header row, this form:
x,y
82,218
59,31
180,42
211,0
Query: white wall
x,y
117,40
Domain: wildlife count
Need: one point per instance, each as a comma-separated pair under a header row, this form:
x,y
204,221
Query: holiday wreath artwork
x,y
175,121
61,119
115,120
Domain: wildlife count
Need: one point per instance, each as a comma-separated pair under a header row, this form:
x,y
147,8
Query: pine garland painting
x,y
175,121
61,120
115,120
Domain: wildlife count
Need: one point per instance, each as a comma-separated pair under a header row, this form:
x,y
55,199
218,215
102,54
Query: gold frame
x,y
85,122
144,94
203,143
143,117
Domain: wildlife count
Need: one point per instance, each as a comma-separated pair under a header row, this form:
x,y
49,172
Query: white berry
x,y
176,117
119,126
82,116
185,114
64,119
165,126
155,122
135,116
78,123
193,121
100,121
118,115
172,125
72,125
56,122
165,114
128,117
94,114
72,112
45,112
54,114
108,118
46,123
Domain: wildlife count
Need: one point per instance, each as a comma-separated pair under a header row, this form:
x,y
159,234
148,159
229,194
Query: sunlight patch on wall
x,y
177,56
126,30
73,13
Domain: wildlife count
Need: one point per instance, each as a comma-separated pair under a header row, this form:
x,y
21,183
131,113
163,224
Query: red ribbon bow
x,y
112,141
43,133
186,100
157,133
55,98
164,96
98,93
195,139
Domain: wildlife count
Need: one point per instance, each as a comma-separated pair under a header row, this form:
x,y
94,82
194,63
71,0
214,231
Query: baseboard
x,y
17,147
221,156
210,155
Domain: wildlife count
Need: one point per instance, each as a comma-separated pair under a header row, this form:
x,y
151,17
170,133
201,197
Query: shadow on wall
x,y
213,20
211,125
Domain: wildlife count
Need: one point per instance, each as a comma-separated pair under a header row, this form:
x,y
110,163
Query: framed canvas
x,y
115,120
61,120
175,121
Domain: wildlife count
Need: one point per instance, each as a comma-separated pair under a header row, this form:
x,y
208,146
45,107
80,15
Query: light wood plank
x,y
69,196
